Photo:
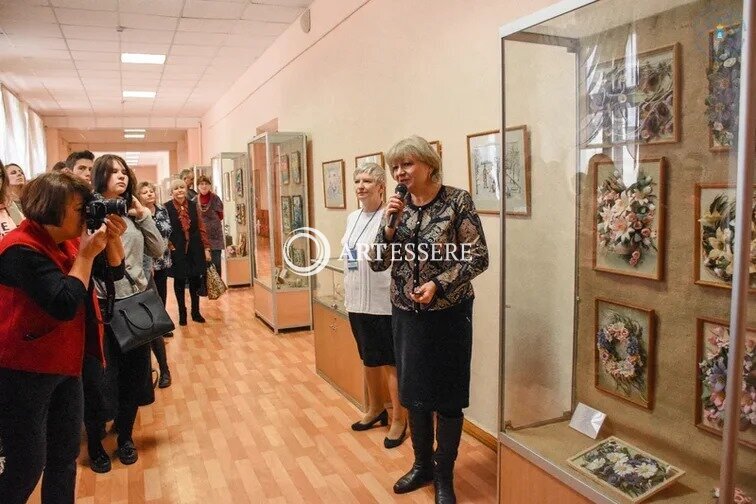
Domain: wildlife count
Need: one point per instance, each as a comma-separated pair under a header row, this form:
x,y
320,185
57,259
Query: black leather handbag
x,y
139,319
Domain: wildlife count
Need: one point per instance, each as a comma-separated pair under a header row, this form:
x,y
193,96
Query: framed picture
x,y
628,218
376,158
333,184
712,349
484,170
297,212
624,353
295,167
241,214
286,214
625,469
283,166
723,74
436,145
298,257
641,108
227,186
714,235
239,182
517,171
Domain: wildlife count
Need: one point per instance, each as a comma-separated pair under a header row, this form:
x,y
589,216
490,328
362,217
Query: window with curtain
x,y
22,135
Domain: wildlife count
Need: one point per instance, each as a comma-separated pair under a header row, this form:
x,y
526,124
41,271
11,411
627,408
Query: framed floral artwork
x,y
286,214
636,101
714,237
723,74
625,469
712,351
295,167
484,170
624,351
283,167
333,184
629,211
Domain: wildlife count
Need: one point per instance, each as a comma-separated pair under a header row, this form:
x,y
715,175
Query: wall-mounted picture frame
x,y
484,170
436,145
286,214
377,158
241,214
625,352
712,350
283,167
295,167
607,463
629,217
714,237
516,173
333,184
227,186
644,110
723,72
297,212
239,182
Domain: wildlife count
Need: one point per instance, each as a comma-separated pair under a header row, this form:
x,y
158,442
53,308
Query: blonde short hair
x,y
177,182
417,148
373,170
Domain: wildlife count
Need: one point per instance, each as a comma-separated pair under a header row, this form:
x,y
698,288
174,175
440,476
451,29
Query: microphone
x,y
401,191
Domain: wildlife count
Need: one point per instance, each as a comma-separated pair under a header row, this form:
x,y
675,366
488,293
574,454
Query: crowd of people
x,y
411,315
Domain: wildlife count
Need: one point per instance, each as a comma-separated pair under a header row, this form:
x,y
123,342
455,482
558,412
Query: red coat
x,y
30,338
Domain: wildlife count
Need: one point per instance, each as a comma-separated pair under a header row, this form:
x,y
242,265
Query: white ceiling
x,y
104,136
63,56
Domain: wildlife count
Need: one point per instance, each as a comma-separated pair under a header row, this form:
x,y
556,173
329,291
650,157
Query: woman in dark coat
x,y
190,250
439,246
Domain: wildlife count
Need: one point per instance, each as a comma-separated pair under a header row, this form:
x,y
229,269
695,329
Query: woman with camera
x,y
127,381
48,325
10,215
189,241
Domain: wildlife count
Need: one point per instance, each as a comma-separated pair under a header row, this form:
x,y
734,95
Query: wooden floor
x,y
248,420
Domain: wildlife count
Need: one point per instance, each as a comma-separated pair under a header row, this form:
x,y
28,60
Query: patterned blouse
x,y
443,242
163,223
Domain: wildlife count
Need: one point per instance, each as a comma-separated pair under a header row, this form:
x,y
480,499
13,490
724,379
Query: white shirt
x,y
365,290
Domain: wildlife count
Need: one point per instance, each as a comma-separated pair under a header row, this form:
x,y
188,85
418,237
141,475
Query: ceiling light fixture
x,y
149,59
139,94
133,135
134,130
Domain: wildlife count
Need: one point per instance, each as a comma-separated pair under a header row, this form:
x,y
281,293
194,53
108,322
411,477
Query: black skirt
x,y
433,352
375,341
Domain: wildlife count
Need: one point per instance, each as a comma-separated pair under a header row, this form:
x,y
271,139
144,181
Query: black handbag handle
x,y
125,316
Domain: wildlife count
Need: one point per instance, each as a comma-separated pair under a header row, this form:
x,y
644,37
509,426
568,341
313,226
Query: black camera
x,y
95,211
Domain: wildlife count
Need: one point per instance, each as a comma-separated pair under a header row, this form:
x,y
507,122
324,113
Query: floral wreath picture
x,y
629,219
624,351
724,86
715,236
713,348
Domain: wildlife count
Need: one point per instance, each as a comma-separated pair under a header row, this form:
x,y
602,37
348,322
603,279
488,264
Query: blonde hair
x,y
417,148
177,182
373,170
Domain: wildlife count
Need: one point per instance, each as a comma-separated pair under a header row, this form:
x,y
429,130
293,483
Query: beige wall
x,y
57,148
368,74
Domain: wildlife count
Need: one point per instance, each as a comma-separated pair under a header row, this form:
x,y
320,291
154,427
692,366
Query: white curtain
x,y
22,135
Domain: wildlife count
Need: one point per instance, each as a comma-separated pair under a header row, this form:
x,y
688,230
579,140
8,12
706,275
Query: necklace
x,y
363,229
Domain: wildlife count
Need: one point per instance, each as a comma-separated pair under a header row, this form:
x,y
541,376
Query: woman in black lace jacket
x,y
435,249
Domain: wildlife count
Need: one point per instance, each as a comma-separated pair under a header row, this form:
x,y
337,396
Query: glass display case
x,y
236,257
621,124
277,211
328,286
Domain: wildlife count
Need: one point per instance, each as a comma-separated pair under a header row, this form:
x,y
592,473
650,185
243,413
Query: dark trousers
x,y
40,425
158,344
161,284
215,256
179,284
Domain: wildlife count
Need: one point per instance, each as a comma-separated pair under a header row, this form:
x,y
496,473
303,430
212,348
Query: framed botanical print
x,y
624,352
625,469
297,212
633,101
714,237
286,214
723,74
712,350
283,167
484,170
376,157
333,184
516,171
628,218
295,167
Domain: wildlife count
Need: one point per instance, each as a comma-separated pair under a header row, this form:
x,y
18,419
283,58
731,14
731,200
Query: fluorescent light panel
x,y
139,94
150,59
133,135
134,130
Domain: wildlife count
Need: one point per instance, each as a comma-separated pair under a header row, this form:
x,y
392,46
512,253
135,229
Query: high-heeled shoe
x,y
393,443
382,418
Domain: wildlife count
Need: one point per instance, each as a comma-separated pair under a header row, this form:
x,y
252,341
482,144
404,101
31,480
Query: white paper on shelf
x,y
587,420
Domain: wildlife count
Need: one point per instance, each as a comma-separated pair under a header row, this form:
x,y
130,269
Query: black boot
x,y
182,315
421,432
448,434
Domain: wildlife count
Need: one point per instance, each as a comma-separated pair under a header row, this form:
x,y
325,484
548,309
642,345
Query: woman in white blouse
x,y
366,299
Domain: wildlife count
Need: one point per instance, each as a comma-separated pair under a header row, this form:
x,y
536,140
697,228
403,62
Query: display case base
x,y
236,271
290,311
